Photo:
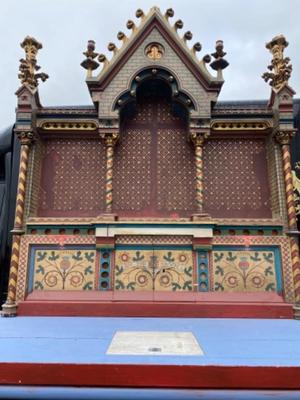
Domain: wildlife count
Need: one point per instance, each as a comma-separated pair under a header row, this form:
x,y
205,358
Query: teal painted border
x,y
108,270
205,261
274,249
175,225
152,247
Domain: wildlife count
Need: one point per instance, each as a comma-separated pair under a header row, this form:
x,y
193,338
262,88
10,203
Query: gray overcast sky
x,y
64,26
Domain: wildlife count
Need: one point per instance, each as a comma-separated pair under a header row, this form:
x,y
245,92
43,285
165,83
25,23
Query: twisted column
x,y
283,138
110,139
198,138
9,308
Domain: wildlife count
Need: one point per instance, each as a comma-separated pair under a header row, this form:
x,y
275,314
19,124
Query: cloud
x,y
64,26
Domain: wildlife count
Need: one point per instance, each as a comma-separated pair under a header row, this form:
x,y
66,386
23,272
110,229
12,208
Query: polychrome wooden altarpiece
x,y
156,192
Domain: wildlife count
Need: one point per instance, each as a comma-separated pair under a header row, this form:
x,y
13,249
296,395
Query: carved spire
x,y
89,63
280,65
219,63
28,66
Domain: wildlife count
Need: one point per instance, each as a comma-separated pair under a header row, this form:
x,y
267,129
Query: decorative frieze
x,y
241,125
68,125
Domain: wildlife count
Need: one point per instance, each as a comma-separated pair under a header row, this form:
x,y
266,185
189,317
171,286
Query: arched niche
x,y
154,75
154,166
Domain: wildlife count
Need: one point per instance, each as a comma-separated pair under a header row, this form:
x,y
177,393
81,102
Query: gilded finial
x,y
112,47
219,63
89,63
169,13
280,65
122,36
178,25
197,47
188,36
140,14
102,59
28,66
131,25
206,59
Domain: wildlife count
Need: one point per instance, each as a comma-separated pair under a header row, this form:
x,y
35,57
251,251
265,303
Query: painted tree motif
x,y
64,270
244,271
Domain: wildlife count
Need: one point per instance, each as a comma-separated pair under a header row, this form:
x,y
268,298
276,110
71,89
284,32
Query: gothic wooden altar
x,y
157,199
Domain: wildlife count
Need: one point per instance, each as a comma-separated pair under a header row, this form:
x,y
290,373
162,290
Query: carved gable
x,y
155,44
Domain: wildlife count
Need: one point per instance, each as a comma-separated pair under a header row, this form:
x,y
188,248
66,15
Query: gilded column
x,y
198,138
283,138
110,140
10,307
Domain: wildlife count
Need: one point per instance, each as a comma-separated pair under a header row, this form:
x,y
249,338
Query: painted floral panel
x,y
64,269
244,271
161,270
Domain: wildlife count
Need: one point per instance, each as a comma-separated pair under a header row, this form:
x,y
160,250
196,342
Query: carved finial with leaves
x,y
280,65
28,66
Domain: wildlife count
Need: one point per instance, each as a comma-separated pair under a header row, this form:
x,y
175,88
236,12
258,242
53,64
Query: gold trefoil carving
x,y
154,51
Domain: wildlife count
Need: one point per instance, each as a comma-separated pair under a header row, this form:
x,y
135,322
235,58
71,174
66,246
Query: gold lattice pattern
x,y
73,176
235,178
175,171
132,174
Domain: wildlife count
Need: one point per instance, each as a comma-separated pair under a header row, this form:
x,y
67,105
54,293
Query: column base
x,y
296,309
200,216
9,309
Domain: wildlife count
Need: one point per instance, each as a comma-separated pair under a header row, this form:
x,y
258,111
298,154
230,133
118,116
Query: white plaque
x,y
154,343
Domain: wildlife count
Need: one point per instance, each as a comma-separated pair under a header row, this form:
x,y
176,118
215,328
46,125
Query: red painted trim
x,y
158,376
156,304
209,297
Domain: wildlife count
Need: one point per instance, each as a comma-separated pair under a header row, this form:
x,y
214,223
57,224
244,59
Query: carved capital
x,y
284,137
26,138
28,66
110,138
198,137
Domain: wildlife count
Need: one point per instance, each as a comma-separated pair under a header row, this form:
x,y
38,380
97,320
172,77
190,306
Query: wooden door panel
x,y
153,269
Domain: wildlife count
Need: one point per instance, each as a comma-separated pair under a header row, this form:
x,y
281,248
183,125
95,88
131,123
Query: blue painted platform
x,y
227,342
64,352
